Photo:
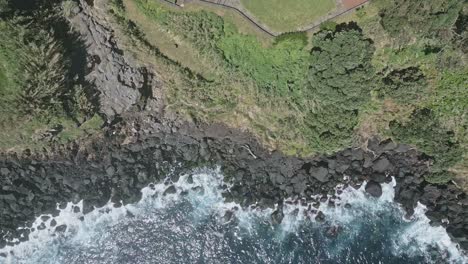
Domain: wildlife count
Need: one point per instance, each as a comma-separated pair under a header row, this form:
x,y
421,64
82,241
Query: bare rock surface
x,y
119,80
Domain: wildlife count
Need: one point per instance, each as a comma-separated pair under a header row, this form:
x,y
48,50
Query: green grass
x,y
441,92
300,101
35,96
71,131
261,88
288,15
3,78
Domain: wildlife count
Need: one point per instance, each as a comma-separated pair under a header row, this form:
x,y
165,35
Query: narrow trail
x,y
237,6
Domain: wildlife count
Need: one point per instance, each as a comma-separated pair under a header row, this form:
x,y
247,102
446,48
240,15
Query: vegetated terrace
x,y
317,94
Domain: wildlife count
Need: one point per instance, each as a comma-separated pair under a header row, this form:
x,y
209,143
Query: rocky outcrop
x,y
120,82
128,159
374,189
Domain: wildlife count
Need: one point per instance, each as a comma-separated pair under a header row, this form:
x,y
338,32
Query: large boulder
x,y
373,188
382,165
319,173
277,217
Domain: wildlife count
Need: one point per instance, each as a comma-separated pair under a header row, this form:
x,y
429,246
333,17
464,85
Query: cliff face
x,y
120,81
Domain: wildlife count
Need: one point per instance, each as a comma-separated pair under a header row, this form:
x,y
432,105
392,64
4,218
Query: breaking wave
x,y
191,223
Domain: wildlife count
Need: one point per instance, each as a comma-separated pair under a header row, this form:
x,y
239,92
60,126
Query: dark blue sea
x,y
193,226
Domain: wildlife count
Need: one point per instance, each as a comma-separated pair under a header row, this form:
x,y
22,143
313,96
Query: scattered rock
x,y
61,228
382,165
228,216
190,179
4,171
333,231
42,226
277,217
319,173
320,217
110,171
373,188
170,190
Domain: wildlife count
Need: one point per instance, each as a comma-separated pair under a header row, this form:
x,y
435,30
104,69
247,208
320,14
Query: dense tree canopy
x,y
341,72
340,80
420,17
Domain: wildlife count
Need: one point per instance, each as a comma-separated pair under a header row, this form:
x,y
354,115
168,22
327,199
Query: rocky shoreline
x,y
143,144
116,168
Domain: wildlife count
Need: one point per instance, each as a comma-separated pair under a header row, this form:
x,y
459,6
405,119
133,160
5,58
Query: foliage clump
x,y
420,18
425,131
39,87
279,70
404,86
340,81
341,71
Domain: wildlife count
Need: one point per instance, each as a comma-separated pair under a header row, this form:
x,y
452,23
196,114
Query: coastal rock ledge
x,y
114,169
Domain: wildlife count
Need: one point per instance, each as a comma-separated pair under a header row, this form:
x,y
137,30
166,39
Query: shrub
x,y
423,18
300,37
341,73
279,70
404,86
425,131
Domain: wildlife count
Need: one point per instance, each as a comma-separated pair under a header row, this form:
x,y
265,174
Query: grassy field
x,y
288,15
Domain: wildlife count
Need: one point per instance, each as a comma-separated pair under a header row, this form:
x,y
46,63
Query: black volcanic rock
x,y
373,188
319,173
277,216
170,190
382,165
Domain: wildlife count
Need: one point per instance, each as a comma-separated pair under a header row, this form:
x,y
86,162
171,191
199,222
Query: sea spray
x,y
191,221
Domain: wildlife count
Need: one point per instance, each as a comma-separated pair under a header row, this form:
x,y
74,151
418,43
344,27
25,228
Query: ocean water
x,y
190,226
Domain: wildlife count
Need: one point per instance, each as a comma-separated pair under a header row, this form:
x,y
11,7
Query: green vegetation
x,y
288,15
340,80
420,18
395,69
38,99
279,70
300,100
423,76
404,85
450,101
270,90
423,129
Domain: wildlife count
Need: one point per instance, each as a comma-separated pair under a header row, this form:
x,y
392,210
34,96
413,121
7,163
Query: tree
x,y
423,18
341,73
425,131
340,80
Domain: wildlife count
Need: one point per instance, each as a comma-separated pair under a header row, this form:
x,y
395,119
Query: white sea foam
x,y
204,193
422,233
